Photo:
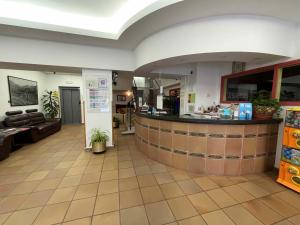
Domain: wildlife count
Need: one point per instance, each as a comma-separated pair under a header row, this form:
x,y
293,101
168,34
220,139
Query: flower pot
x,y
116,124
99,147
263,112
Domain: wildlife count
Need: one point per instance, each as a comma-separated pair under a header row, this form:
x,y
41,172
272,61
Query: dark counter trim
x,y
209,121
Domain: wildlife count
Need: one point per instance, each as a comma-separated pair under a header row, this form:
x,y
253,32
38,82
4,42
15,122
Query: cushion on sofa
x,y
44,127
36,118
12,113
30,110
17,120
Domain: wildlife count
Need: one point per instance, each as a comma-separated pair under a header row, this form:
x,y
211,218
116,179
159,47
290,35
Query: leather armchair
x,y
5,145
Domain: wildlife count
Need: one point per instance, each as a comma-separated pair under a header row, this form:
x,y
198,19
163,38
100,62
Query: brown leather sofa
x,y
39,126
5,145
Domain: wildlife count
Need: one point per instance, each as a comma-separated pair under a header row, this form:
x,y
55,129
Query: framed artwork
x,y
22,92
121,98
174,92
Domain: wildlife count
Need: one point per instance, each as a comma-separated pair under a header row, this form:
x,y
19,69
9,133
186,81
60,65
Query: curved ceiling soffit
x,y
190,10
44,18
249,57
181,12
158,54
141,37
154,20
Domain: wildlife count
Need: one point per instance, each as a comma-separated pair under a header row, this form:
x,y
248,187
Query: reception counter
x,y
211,146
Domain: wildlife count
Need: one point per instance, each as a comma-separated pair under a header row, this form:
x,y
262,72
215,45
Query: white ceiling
x,y
144,19
98,18
151,21
94,8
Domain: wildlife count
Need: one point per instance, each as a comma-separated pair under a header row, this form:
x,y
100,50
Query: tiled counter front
x,y
206,148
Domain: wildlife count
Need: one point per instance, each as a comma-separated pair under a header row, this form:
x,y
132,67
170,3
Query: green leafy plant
x,y
116,122
116,119
263,101
98,136
50,102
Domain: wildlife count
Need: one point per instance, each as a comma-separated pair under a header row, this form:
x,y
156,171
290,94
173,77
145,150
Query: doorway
x,y
70,105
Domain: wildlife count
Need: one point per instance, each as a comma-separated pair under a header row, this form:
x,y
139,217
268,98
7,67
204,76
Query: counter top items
x,y
245,111
207,119
144,108
264,106
240,111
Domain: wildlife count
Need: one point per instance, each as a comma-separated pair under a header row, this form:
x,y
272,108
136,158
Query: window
x,y
282,81
290,84
245,87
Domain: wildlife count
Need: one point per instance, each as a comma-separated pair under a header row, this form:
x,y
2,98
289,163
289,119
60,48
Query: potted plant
x,y
116,122
50,104
264,106
98,140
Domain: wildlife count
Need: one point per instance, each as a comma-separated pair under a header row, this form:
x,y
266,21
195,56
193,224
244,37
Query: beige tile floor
x,y
55,181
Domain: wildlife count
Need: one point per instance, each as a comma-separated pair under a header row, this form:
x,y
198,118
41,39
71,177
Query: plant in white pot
x,y
98,140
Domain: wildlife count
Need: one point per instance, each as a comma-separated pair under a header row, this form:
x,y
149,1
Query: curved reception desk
x,y
220,147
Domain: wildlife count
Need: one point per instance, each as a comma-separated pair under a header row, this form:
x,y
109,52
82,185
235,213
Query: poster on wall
x,y
192,98
22,92
159,102
97,95
140,101
191,102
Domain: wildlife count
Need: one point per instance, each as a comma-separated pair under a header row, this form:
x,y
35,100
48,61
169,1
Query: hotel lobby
x,y
155,112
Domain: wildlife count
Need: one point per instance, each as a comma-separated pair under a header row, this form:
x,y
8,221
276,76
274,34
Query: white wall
x,y
295,45
21,50
205,83
185,69
39,77
219,34
102,121
54,81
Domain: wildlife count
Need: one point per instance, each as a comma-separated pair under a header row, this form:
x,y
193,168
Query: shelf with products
x,y
289,170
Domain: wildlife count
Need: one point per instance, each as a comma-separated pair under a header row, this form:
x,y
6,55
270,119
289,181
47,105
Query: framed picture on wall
x,y
174,92
121,98
22,92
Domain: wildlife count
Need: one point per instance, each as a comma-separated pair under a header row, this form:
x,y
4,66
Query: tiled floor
x,y
56,182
